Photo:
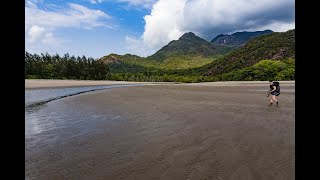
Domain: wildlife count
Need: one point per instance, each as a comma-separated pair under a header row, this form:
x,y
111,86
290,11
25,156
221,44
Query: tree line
x,y
46,66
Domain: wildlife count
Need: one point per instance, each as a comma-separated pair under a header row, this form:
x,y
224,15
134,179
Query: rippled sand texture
x,y
163,132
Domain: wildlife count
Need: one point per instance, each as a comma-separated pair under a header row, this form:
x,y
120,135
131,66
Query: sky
x,y
96,28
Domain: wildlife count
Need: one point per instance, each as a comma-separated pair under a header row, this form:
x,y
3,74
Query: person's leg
x,y
271,100
274,99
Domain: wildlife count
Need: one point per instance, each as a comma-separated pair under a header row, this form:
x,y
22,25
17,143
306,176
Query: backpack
x,y
277,86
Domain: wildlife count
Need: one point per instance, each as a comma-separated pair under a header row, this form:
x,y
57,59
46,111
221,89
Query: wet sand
x,y
48,83
164,132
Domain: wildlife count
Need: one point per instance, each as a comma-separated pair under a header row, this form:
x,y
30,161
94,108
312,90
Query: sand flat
x,y
47,83
179,131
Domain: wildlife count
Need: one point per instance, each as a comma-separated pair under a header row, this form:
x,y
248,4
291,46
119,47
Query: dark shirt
x,y
275,84
271,87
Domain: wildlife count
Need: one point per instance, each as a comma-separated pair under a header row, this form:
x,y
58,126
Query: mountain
x,y
110,59
188,59
191,45
117,59
273,46
192,59
186,52
238,38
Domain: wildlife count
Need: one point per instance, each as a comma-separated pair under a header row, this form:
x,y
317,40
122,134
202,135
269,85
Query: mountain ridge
x,y
238,38
191,44
274,46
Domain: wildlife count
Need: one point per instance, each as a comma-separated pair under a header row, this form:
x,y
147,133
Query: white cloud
x,y
76,16
40,24
207,18
96,1
35,32
144,3
141,3
93,1
136,46
50,39
275,26
40,39
162,25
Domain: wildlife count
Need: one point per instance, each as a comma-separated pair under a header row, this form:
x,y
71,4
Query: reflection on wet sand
x,y
162,132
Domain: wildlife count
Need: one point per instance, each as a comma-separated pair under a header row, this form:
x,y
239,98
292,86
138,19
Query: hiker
x,y
274,91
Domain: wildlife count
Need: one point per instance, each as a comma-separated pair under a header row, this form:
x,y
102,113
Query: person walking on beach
x,y
274,91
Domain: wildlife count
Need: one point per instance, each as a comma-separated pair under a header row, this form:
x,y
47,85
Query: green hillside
x,y
239,64
189,59
264,70
188,51
191,45
275,46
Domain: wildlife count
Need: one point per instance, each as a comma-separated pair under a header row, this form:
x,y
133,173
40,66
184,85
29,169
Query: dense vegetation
x,y
191,45
263,71
47,66
188,51
274,46
270,56
128,63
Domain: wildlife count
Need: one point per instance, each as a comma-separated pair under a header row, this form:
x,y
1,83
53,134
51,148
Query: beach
x,y
220,131
45,83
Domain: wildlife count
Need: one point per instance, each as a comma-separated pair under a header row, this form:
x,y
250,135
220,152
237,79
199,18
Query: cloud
x,y
75,16
136,46
136,3
144,3
163,24
35,32
93,1
50,39
169,19
275,26
41,25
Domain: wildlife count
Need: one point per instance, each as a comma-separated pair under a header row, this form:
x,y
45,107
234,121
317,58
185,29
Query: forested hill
x,y
275,46
269,56
187,52
192,45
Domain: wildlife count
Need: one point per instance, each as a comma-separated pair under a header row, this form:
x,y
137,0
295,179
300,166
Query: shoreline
x,y
48,83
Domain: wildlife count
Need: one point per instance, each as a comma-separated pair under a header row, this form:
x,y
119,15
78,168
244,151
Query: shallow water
x,y
38,120
33,96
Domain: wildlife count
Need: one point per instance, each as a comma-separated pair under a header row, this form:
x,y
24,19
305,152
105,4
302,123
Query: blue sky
x,y
96,28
